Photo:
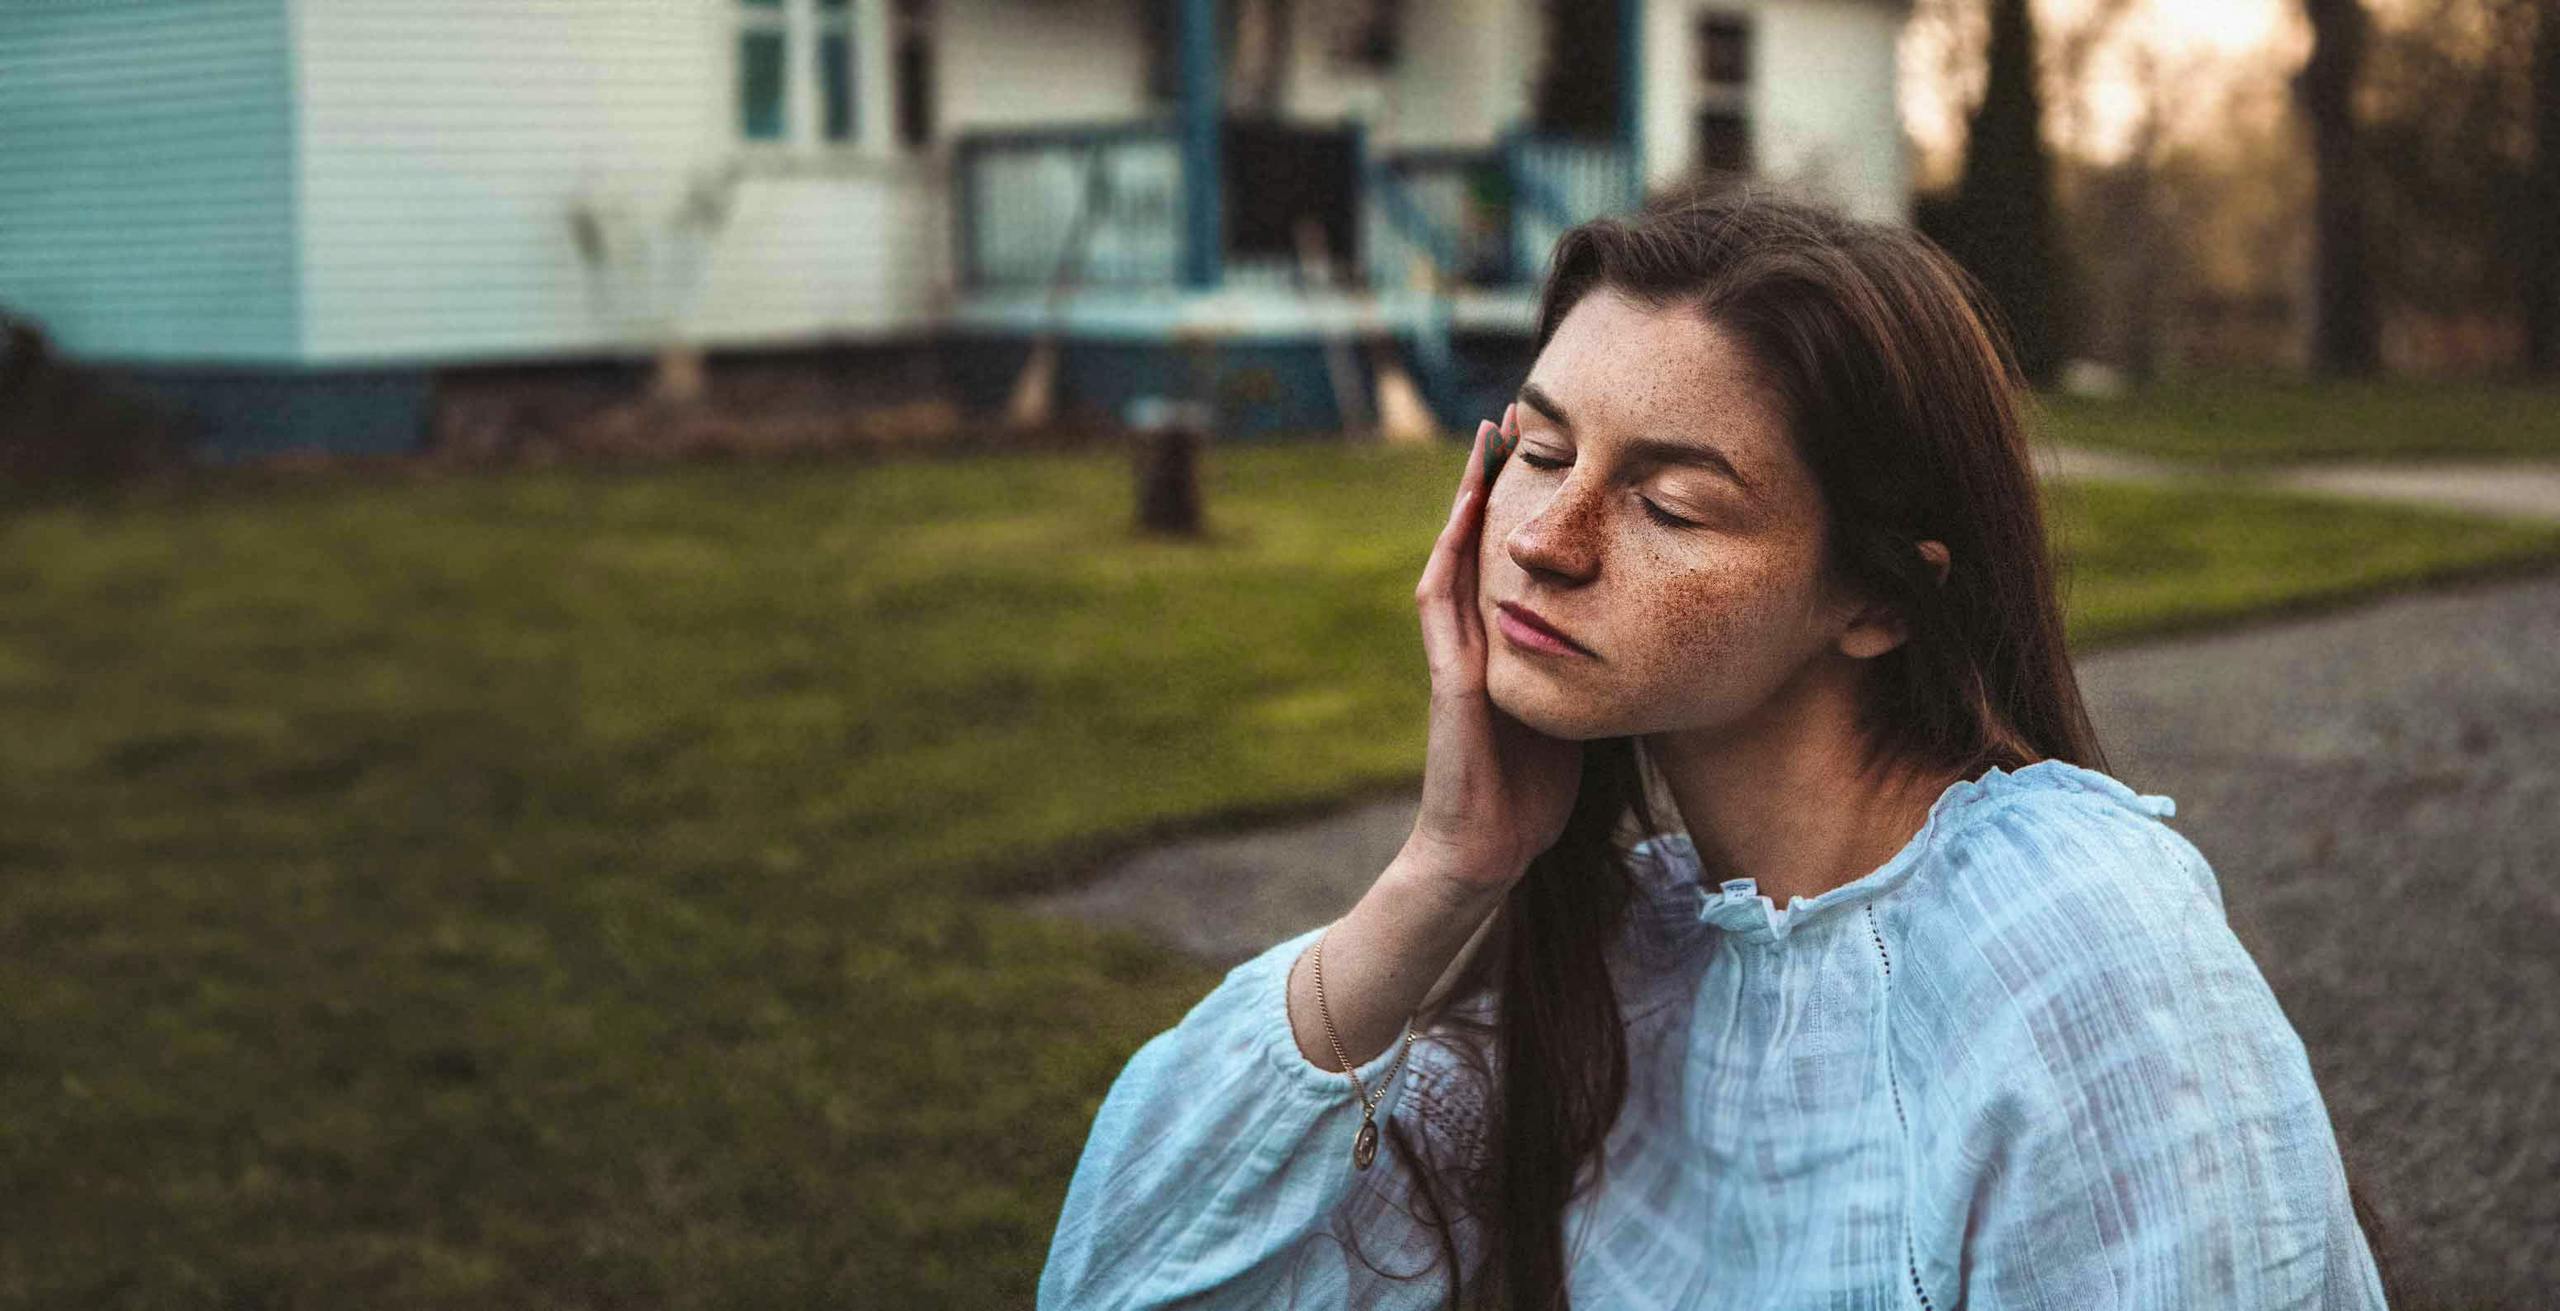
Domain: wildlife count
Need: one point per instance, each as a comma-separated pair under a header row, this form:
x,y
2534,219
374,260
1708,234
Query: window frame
x,y
1726,99
804,25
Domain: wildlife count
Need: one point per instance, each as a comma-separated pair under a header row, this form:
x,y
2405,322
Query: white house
x,y
302,213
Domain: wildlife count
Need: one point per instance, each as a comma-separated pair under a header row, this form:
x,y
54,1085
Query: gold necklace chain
x,y
1364,1147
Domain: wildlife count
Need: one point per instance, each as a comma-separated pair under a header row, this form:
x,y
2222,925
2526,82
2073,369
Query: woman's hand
x,y
1495,792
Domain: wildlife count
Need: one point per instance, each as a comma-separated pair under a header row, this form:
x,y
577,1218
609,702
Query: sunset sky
x,y
2209,44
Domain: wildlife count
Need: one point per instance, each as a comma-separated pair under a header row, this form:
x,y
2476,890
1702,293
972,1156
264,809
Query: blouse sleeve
x,y
2147,1131
1218,1170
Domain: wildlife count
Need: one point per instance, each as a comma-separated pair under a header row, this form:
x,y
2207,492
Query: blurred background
x,y
640,640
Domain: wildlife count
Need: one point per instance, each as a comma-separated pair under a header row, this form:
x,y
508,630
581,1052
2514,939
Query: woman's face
x,y
1689,625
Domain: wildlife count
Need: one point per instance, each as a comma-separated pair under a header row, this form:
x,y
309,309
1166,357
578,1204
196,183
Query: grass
x,y
2242,420
575,888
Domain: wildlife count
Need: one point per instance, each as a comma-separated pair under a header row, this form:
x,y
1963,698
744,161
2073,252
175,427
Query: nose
x,y
1562,540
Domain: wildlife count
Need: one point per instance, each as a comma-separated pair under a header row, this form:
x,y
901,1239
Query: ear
x,y
1877,628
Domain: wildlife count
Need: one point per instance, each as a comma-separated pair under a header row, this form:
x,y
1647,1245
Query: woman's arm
x,y
2135,1122
1223,1151
1395,952
2164,1167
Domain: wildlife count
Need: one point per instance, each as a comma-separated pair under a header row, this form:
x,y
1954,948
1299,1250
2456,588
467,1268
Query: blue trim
x,y
1204,223
232,413
1386,185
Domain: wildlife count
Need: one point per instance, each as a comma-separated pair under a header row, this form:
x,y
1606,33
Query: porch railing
x,y
1105,200
1557,182
1436,213
1488,217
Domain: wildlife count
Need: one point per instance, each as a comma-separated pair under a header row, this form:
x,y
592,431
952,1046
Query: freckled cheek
x,y
1702,617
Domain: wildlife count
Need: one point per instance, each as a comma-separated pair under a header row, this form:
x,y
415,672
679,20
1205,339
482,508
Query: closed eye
x,y
1655,512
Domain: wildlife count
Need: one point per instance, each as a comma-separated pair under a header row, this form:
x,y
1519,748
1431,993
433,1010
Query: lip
x,y
1526,629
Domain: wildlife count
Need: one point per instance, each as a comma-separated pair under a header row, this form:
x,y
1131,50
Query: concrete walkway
x,y
2516,489
2378,790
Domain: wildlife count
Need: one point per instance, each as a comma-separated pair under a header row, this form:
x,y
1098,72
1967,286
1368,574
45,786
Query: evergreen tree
x,y
2541,281
2345,317
2000,223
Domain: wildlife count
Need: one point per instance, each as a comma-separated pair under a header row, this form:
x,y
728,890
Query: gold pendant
x,y
1364,1148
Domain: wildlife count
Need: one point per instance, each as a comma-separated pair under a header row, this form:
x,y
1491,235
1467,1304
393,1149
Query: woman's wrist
x,y
1450,885
1382,960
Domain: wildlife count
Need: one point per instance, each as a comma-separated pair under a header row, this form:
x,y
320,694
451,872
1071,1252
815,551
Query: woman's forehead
x,y
1626,372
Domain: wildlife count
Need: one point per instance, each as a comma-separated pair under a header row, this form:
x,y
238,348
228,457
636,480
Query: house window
x,y
835,70
800,72
1724,141
914,44
1721,90
1367,36
1724,50
763,41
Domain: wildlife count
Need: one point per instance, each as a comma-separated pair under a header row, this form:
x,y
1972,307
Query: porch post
x,y
1202,167
1631,96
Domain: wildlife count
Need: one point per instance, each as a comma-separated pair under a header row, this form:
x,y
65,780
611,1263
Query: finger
x,y
1468,479
1462,585
1469,484
1487,437
1504,440
1443,632
1437,571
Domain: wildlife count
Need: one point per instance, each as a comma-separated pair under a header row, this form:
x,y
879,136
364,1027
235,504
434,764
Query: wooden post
x,y
1169,437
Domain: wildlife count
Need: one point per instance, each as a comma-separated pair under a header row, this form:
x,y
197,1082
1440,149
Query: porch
x,y
1287,227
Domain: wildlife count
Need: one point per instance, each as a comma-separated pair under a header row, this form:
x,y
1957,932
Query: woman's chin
x,y
1534,699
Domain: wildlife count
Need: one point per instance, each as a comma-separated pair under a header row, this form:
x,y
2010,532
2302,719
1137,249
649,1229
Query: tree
x,y
2000,223
2541,281
2345,320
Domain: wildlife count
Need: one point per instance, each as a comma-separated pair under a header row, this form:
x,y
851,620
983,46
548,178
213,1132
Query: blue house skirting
x,y
232,413
1259,388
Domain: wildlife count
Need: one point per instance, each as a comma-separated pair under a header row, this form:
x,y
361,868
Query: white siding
x,y
1011,63
146,177
1829,118
1462,72
443,145
1823,108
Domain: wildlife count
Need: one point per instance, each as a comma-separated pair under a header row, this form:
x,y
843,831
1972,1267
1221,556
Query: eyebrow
x,y
1644,448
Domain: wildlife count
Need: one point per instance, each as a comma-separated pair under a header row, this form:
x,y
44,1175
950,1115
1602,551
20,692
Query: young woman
x,y
1917,1008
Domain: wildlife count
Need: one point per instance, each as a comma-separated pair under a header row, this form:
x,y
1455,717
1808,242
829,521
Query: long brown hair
x,y
1902,390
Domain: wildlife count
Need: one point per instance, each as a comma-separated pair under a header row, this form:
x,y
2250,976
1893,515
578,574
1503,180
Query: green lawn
x,y
2239,420
573,888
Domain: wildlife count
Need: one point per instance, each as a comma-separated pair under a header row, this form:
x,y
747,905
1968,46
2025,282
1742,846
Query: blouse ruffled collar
x,y
1738,907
